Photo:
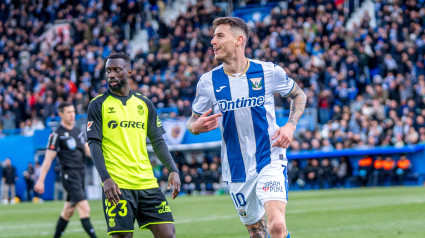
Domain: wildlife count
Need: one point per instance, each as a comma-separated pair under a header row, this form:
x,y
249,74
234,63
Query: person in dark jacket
x,y
9,179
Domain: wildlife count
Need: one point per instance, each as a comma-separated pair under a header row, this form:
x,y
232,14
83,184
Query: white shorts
x,y
249,197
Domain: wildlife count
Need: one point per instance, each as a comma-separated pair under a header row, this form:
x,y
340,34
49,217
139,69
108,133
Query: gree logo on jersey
x,y
126,124
240,103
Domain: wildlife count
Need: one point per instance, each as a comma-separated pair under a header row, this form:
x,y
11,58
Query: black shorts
x,y
73,183
148,206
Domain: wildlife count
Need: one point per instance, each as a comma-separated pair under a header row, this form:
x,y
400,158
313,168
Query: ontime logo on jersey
x,y
242,102
126,124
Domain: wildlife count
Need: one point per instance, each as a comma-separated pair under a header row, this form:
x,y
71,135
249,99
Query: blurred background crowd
x,y
366,83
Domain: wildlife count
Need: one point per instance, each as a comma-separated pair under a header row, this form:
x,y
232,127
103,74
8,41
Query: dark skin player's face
x,y
117,73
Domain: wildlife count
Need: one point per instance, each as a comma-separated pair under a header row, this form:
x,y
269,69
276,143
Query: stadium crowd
x,y
367,83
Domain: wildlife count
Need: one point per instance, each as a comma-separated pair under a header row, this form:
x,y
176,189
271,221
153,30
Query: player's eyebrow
x,y
114,67
219,34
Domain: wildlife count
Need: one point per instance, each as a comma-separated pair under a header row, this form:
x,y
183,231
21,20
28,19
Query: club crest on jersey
x,y
241,212
111,222
71,143
140,110
256,83
89,125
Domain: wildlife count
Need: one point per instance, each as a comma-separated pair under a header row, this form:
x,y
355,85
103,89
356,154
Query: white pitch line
x,y
75,230
4,227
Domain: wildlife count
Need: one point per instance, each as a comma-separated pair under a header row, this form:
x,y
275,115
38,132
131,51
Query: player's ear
x,y
129,72
240,40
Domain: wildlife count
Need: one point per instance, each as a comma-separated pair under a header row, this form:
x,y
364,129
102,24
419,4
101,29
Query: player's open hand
x,y
284,136
112,191
39,187
205,123
174,179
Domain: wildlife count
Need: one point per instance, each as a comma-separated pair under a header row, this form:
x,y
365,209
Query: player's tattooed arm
x,y
259,229
191,120
203,123
299,99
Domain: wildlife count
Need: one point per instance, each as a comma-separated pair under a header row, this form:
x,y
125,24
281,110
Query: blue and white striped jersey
x,y
248,122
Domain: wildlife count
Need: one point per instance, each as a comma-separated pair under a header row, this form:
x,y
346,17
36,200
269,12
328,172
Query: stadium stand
x,y
365,84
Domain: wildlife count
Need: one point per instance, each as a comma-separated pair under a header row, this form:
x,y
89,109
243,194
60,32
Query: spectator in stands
x,y
9,178
214,175
163,181
29,180
196,179
403,169
378,167
59,191
187,183
206,178
388,169
326,174
8,119
311,173
365,170
294,173
343,171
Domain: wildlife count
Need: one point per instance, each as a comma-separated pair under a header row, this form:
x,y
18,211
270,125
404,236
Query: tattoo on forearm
x,y
190,121
298,102
258,230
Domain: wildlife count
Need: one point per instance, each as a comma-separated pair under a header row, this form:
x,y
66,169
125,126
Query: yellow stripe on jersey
x,y
96,97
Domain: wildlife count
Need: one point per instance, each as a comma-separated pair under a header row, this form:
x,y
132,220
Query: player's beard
x,y
118,86
224,56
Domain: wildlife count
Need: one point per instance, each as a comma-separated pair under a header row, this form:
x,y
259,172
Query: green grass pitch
x,y
352,213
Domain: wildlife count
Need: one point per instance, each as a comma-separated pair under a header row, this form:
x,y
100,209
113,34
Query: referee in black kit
x,y
69,144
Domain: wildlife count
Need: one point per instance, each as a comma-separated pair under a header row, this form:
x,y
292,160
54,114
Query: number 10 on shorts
x,y
238,199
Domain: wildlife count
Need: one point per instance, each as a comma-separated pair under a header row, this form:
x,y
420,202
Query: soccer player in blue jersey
x,y
240,92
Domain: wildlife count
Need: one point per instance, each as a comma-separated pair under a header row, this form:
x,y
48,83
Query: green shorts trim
x,y
144,227
112,232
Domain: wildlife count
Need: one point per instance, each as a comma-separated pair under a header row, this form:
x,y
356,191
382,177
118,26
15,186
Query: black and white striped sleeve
x,y
53,143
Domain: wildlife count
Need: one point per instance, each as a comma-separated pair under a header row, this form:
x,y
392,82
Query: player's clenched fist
x,y
205,123
284,136
39,187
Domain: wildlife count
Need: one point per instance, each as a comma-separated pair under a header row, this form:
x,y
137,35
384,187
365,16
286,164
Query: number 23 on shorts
x,y
110,209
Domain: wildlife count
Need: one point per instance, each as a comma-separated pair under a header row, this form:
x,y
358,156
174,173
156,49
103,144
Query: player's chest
x,y
238,93
131,115
69,140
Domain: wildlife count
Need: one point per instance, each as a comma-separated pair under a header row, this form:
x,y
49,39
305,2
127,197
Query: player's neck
x,y
239,65
67,126
123,92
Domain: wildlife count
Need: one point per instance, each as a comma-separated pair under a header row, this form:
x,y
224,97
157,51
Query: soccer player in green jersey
x,y
118,123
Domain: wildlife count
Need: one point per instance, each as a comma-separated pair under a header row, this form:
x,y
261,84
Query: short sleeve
x,y
155,128
282,83
202,102
53,143
94,120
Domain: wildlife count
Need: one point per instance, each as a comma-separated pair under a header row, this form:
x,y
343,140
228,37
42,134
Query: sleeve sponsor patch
x,y
89,125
